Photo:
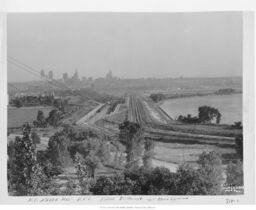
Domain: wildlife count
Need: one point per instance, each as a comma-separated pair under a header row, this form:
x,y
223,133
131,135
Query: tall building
x,y
84,79
76,77
65,77
109,75
50,75
42,73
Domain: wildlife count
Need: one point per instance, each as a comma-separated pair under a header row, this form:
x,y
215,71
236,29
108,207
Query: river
x,y
230,106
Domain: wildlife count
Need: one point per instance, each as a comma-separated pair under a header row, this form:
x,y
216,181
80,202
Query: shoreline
x,y
159,103
180,106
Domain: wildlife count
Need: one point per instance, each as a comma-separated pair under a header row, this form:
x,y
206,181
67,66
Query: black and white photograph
x,y
125,104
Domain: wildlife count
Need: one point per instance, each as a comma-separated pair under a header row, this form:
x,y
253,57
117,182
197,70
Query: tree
x,y
157,97
35,138
25,174
26,129
10,165
18,103
48,168
92,162
57,150
211,172
41,122
188,119
189,181
54,118
116,185
148,153
128,130
82,174
131,136
103,151
134,151
237,125
71,188
239,146
234,173
57,103
207,114
158,181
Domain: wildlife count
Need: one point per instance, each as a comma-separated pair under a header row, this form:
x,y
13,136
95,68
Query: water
x,y
230,106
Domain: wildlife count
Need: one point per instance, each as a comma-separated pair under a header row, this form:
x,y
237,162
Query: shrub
x,y
35,138
235,174
239,146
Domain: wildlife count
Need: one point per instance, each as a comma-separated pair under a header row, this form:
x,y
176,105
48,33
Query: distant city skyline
x,y
131,45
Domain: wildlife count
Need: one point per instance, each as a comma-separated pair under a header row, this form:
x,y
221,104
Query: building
x,y
109,75
42,73
65,77
75,76
50,75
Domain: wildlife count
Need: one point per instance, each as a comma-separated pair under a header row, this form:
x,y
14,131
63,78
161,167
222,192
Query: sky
x,y
132,45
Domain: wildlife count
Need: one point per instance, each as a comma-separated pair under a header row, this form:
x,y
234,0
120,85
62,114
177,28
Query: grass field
x,y
174,154
18,116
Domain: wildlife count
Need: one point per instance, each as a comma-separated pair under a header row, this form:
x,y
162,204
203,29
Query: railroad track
x,y
137,112
152,129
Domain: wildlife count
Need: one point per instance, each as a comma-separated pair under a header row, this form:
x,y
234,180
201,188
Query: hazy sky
x,y
130,44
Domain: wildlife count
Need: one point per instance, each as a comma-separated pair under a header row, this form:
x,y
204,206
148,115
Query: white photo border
x,y
248,109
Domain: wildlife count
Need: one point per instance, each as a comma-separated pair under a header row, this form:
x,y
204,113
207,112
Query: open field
x,y
18,116
171,155
179,153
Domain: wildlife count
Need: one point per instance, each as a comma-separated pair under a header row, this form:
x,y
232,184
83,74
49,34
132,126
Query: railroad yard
x,y
175,142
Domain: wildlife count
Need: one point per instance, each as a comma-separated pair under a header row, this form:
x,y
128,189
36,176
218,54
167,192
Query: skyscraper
x,y
50,75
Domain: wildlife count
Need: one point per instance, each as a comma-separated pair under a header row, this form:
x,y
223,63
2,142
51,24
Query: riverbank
x,y
230,106
198,94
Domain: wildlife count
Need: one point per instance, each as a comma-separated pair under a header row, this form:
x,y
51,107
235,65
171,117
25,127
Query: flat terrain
x,y
171,154
18,116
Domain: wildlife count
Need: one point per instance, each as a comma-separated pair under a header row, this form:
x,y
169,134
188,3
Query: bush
x,y
116,185
190,181
157,97
235,174
35,138
237,125
239,146
206,180
158,181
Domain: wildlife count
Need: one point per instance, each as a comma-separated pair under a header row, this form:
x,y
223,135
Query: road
x,y
154,121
